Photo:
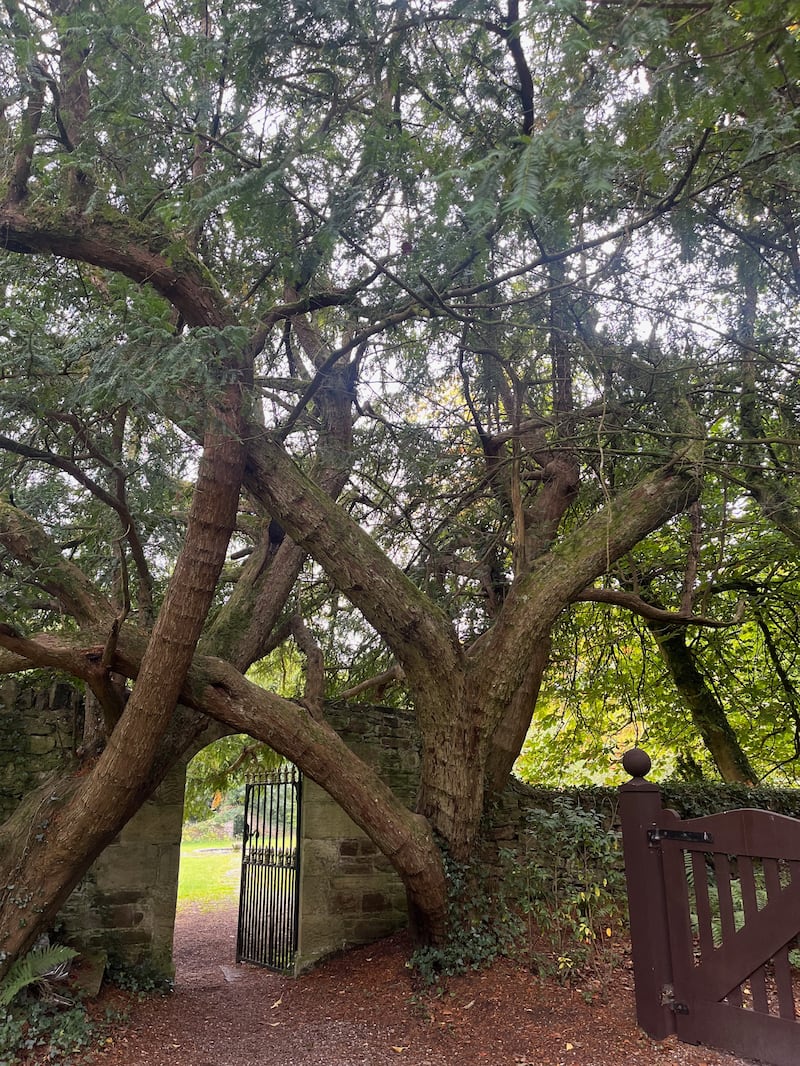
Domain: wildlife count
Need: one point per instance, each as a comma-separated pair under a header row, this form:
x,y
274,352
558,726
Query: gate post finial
x,y
636,762
640,809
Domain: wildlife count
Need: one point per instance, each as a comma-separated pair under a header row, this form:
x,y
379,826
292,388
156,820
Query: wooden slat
x,y
756,1036
702,903
758,984
678,920
758,834
722,872
783,973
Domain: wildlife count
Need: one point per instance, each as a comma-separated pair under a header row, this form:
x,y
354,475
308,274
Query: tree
x,y
372,287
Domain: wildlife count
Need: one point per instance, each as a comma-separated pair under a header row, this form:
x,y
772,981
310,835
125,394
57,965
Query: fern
x,y
37,964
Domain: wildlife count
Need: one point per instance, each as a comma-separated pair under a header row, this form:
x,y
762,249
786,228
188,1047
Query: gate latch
x,y
654,835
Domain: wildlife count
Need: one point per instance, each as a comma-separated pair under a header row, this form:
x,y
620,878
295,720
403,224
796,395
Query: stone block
x,y
374,903
125,915
41,745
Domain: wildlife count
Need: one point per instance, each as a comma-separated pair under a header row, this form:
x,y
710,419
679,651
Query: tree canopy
x,y
393,330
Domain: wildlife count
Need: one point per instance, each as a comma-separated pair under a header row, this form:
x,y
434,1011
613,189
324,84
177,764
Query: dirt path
x,y
361,1009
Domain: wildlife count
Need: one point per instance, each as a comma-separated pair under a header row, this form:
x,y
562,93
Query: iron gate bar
x,y
269,898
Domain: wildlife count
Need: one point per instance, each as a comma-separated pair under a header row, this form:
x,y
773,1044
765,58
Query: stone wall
x,y
39,730
126,903
349,893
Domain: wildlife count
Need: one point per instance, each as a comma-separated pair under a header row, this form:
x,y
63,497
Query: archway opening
x,y
209,875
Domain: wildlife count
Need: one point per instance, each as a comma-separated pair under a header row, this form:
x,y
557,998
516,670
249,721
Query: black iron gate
x,y
269,898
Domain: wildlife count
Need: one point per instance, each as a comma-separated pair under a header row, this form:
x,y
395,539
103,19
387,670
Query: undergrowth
x,y
558,900
481,924
56,1025
570,886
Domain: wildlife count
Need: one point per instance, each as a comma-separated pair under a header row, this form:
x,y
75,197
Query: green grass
x,y
208,877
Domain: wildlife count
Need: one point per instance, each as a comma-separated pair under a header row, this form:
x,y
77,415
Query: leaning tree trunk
x,y
707,713
74,825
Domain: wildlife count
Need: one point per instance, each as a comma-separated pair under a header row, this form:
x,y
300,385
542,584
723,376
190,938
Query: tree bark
x,y
76,825
708,715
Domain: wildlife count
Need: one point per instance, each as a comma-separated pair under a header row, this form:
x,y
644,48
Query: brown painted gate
x,y
715,915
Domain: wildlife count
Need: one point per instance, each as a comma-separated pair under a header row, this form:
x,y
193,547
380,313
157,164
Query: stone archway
x,y
126,904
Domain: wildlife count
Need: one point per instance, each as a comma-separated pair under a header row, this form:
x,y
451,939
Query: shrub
x,y
570,884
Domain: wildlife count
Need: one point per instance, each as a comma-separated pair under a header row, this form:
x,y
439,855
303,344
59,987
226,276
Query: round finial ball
x,y
636,762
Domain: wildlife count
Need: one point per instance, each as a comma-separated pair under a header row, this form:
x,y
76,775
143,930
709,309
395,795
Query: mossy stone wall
x,y
126,903
349,892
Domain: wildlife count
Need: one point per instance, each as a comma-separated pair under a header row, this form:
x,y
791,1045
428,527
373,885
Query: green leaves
x,y
37,965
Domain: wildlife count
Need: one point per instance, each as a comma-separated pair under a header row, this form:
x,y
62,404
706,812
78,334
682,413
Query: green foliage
x,y
570,884
33,967
144,978
481,922
50,1032
220,769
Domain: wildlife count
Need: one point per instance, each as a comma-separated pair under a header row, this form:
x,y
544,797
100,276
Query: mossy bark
x,y
707,713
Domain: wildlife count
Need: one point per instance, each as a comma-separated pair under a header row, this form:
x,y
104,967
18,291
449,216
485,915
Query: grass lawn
x,y
208,877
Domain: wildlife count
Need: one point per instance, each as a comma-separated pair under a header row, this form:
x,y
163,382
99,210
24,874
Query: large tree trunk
x,y
707,713
76,823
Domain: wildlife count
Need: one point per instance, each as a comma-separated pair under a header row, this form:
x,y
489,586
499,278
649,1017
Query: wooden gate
x,y
715,915
268,896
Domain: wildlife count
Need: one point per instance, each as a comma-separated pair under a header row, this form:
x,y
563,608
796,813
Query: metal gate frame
x,y
269,899
708,971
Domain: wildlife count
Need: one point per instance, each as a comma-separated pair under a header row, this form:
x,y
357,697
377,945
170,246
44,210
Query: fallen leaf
x,y
399,1050
470,1004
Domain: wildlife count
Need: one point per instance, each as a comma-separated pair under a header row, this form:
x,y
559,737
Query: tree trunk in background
x,y
707,714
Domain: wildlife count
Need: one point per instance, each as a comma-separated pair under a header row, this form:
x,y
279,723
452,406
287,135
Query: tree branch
x,y
118,243
631,602
315,665
379,681
418,632
499,659
25,539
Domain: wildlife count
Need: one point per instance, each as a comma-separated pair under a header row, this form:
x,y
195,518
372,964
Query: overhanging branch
x,y
631,602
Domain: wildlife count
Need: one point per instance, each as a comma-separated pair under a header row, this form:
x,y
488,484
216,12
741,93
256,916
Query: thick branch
x,y
499,660
631,602
25,539
120,244
418,632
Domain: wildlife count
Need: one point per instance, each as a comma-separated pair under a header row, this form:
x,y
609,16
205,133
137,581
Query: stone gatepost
x,y
125,905
349,892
